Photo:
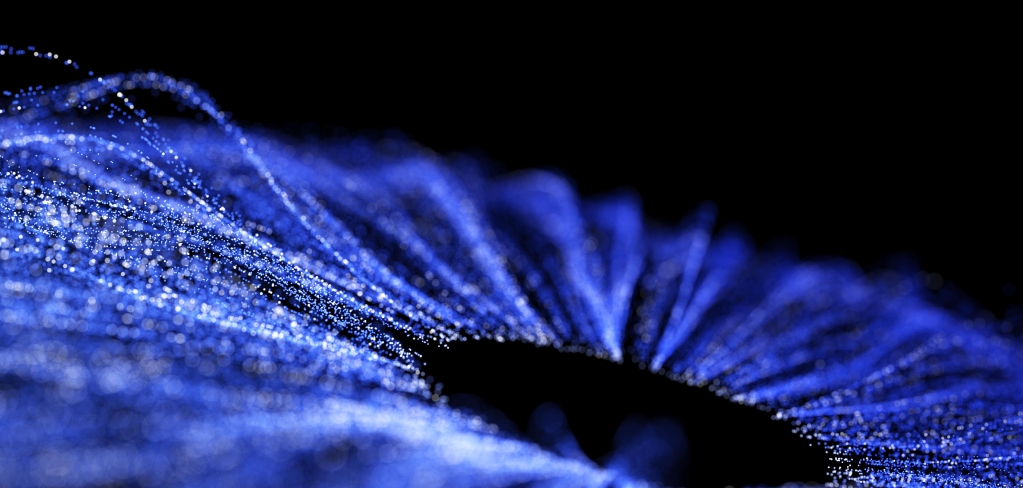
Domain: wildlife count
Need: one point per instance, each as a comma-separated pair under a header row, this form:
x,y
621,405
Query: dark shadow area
x,y
728,444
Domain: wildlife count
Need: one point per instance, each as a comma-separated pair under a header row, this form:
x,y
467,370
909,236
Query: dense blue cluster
x,y
183,302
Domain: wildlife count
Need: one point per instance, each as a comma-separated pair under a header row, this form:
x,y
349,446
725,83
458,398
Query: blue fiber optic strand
x,y
190,303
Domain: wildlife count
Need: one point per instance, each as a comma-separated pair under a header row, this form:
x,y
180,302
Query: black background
x,y
863,143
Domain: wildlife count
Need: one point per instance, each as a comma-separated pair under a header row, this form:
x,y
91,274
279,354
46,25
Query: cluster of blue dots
x,y
183,302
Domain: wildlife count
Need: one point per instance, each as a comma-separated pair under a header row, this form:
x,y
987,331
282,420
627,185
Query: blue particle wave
x,y
191,303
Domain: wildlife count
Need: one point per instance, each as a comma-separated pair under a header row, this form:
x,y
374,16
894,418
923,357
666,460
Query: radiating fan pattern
x,y
185,303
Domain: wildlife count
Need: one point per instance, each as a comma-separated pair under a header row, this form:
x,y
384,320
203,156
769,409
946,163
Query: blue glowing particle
x,y
189,303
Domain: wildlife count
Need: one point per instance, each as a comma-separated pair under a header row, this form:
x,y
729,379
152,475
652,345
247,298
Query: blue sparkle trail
x,y
188,303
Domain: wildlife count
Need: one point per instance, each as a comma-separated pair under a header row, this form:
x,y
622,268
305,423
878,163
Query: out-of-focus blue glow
x,y
187,303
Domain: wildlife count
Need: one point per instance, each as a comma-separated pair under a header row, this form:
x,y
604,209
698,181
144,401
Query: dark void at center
x,y
726,443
